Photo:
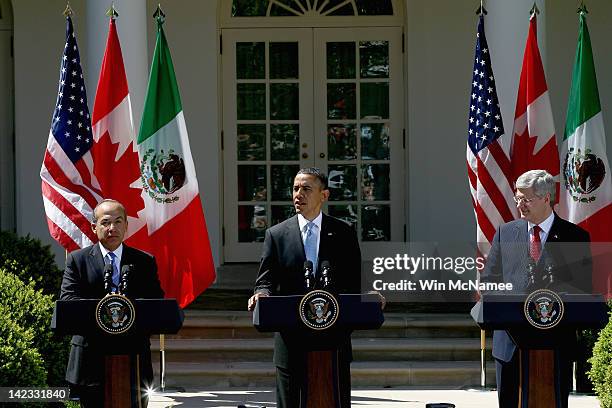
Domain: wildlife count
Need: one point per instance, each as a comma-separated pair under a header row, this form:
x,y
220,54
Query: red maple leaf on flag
x,y
115,175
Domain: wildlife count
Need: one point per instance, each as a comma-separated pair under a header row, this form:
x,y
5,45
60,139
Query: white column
x,y
132,29
506,28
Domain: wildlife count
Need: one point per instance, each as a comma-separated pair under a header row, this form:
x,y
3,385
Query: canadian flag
x,y
534,145
115,158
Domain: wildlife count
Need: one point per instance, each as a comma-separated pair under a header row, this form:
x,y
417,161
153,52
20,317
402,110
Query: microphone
x,y
108,278
125,275
307,274
325,272
549,275
531,273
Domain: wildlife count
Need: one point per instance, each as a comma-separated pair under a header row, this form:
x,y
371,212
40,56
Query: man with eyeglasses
x,y
83,279
539,250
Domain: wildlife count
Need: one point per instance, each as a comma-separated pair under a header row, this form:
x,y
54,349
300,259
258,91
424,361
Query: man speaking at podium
x,y
84,279
540,250
308,236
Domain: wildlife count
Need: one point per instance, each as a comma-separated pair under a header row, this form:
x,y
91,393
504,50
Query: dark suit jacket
x,y
566,254
281,272
83,279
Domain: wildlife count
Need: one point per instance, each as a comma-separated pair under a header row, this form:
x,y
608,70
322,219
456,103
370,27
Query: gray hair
x,y
541,181
108,200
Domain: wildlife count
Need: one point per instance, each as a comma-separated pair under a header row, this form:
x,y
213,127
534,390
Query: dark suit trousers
x,y
291,382
507,376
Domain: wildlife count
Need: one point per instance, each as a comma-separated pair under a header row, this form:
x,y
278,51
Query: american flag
x,y
489,168
69,189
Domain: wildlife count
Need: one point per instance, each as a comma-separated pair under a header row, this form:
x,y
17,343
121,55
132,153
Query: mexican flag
x,y
177,233
586,193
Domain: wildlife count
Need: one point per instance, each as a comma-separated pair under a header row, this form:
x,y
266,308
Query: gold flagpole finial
x,y
481,10
534,10
159,14
112,11
68,10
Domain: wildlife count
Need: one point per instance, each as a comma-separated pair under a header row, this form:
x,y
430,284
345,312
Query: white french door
x,y
330,98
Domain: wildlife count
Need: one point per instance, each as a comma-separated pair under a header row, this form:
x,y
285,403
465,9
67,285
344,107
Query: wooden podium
x,y
121,360
311,317
540,344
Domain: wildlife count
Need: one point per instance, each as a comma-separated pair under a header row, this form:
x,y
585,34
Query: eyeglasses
x,y
524,200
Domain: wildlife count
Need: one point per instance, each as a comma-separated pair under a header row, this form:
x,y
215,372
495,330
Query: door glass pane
x,y
329,6
282,181
252,183
284,101
284,60
250,60
342,182
341,142
375,182
278,11
251,100
285,142
374,100
375,141
374,8
340,60
251,142
341,101
347,213
281,212
374,59
375,223
250,8
252,223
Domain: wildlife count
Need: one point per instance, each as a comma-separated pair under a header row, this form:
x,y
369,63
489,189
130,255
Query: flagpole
x,y
159,17
481,11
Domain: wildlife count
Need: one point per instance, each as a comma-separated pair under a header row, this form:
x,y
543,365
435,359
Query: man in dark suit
x,y
286,247
540,250
83,279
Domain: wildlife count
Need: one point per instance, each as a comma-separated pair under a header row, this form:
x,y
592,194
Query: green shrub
x,y
20,362
601,374
28,258
30,308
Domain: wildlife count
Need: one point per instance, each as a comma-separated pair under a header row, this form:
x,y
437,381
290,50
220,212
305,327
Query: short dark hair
x,y
315,171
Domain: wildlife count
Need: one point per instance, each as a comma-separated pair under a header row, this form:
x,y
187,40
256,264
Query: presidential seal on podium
x,y
318,310
115,314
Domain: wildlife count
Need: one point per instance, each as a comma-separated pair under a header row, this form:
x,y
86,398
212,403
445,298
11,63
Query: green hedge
x,y
601,365
20,362
30,334
28,258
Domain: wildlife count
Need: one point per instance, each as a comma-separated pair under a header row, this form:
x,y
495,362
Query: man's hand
x,y
253,301
383,301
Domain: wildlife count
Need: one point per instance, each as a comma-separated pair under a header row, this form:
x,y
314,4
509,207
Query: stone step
x,y
238,324
363,374
364,349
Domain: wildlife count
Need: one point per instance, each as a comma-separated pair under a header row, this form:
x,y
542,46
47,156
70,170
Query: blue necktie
x,y
112,260
310,244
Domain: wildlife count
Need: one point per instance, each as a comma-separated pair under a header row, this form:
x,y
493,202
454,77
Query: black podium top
x,y
152,316
507,312
280,313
